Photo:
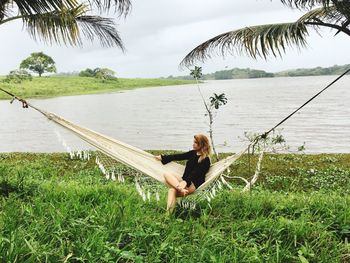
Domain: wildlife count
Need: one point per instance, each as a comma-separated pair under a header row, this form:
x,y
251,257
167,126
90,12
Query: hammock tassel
x,y
214,191
219,185
113,176
226,183
143,196
208,198
140,191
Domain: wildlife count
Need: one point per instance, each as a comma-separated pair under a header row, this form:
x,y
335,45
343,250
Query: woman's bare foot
x,y
182,190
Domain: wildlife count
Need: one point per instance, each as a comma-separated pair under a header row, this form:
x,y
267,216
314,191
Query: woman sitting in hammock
x,y
197,166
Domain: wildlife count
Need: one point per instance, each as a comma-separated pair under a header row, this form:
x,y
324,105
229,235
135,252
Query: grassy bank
x,y
63,86
57,210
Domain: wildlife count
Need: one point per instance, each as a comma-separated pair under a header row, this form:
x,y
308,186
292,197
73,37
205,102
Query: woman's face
x,y
195,145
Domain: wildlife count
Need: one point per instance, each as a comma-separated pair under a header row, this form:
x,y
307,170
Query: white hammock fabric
x,y
137,158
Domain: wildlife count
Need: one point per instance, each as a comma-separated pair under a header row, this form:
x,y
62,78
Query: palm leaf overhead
x,y
66,21
102,28
273,39
256,41
332,16
29,7
39,6
306,3
121,6
68,26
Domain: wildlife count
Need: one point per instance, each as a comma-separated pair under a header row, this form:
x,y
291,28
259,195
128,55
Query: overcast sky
x,y
159,33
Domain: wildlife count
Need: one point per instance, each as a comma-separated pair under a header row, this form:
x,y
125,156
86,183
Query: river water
x,y
168,117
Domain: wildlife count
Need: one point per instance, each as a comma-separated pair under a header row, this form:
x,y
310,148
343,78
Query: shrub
x,y
104,73
99,73
17,76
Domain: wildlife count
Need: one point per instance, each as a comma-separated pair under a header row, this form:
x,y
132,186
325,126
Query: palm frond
x,y
343,6
331,14
56,26
261,41
121,6
30,7
68,25
255,41
4,9
102,28
328,17
306,4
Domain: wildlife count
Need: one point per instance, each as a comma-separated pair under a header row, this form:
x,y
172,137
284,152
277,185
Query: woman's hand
x,y
158,157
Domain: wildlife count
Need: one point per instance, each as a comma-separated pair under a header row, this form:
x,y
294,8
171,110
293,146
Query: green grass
x,y
53,209
63,86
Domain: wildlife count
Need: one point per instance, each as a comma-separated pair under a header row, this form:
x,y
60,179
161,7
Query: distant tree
x,y
17,76
87,73
99,73
39,63
104,73
223,74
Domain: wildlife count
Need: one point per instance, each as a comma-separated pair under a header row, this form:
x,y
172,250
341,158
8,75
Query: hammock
x,y
130,155
137,158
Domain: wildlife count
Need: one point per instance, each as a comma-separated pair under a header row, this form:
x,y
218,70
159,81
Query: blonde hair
x,y
204,146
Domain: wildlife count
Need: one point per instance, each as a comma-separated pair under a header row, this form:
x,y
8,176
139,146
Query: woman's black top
x,y
194,171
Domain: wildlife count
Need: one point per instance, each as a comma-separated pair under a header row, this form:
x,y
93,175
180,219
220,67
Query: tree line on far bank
x,y
247,73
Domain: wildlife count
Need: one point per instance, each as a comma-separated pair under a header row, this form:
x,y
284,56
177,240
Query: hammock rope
x,y
265,134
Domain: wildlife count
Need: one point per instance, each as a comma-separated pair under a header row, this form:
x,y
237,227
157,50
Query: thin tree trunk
x,y
211,135
210,122
256,174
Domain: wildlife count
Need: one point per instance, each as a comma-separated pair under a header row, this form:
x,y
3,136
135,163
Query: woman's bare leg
x,y
171,179
177,188
173,193
176,182
171,200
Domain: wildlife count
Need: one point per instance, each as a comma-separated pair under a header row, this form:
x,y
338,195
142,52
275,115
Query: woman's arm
x,y
176,157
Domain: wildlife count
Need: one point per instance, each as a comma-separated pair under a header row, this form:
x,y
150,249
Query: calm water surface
x,y
167,117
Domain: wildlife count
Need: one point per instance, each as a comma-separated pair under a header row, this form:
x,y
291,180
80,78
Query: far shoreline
x,y
51,87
